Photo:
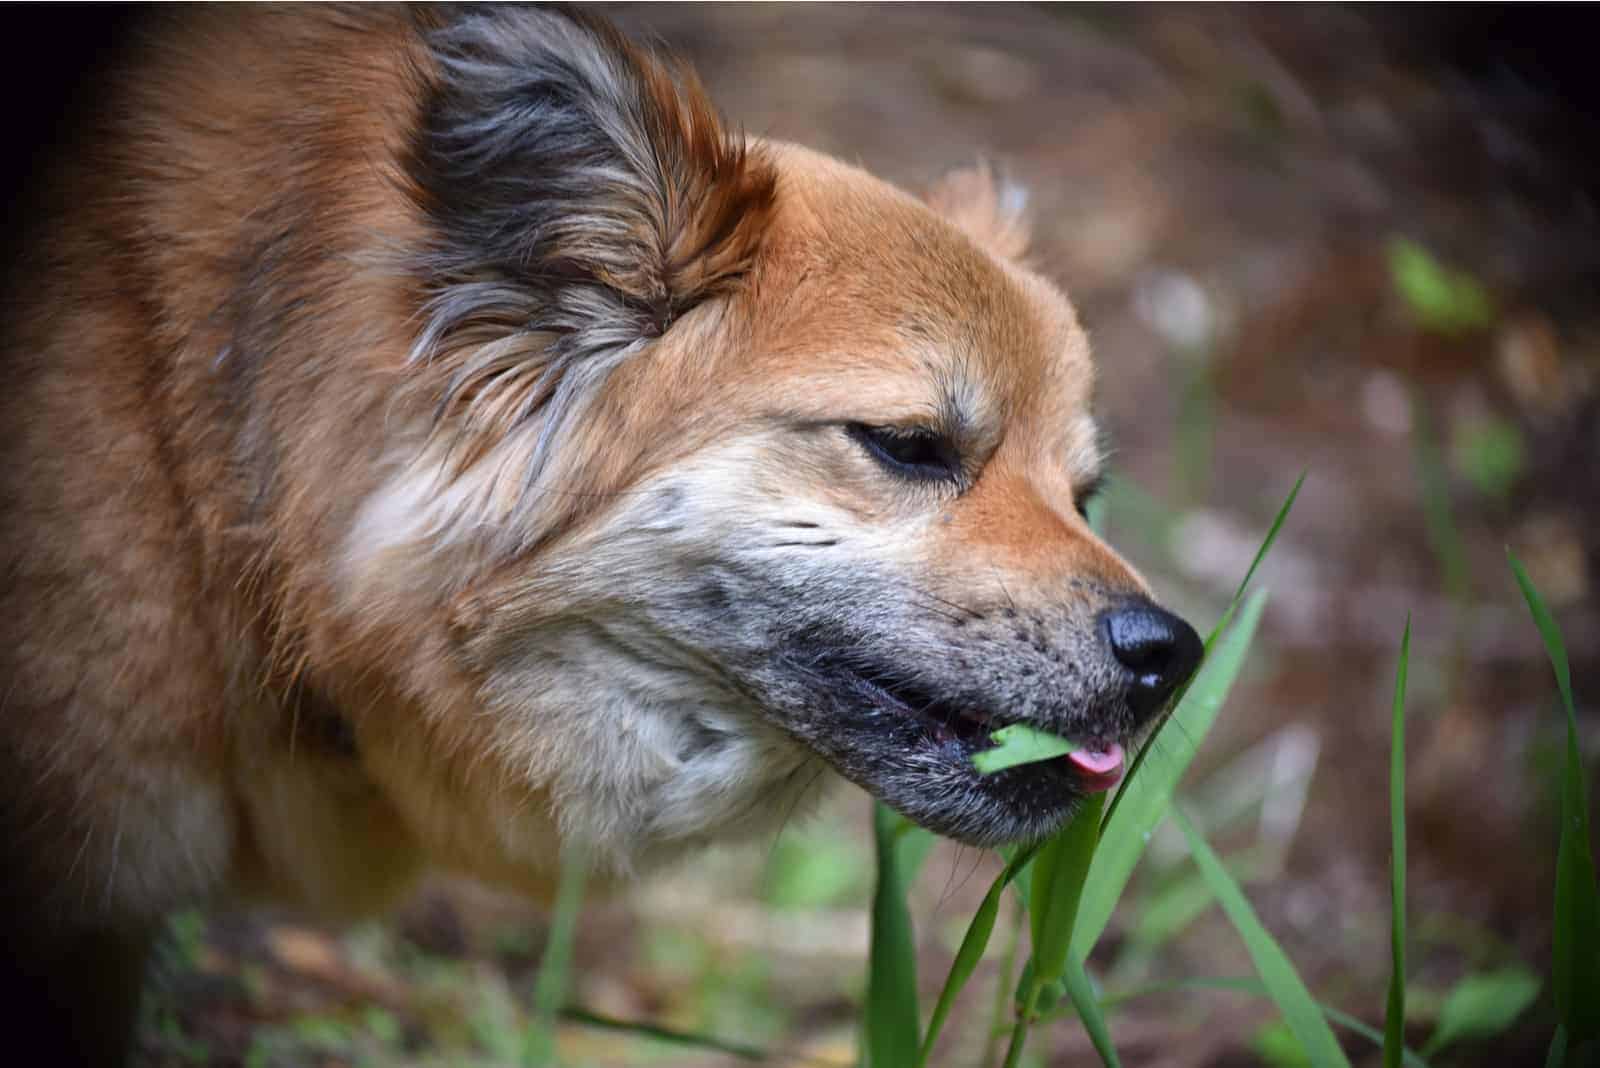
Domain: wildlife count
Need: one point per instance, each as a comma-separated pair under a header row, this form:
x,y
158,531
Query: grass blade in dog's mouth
x,y
1099,769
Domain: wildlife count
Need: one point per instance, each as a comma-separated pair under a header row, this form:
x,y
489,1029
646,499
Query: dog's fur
x,y
430,438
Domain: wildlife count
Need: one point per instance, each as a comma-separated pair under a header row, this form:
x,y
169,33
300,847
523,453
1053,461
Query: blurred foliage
x,y
1482,1005
1492,454
1278,1047
814,866
1442,300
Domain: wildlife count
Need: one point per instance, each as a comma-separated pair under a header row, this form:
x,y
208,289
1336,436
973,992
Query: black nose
x,y
1158,649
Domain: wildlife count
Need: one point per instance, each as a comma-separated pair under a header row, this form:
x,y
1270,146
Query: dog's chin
x,y
914,751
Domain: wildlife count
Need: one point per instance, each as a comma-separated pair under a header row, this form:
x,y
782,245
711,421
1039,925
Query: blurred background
x,y
1356,242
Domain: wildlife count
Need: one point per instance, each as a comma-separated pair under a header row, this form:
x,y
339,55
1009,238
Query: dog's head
x,y
736,457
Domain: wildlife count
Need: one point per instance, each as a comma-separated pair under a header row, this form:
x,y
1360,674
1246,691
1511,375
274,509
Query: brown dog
x,y
431,438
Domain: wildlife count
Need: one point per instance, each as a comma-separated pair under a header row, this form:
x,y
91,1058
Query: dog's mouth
x,y
913,747
959,725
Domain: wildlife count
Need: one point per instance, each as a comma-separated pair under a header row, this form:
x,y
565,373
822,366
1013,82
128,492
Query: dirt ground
x,y
1220,190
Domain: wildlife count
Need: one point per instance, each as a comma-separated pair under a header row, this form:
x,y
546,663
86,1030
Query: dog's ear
x,y
578,194
988,208
554,151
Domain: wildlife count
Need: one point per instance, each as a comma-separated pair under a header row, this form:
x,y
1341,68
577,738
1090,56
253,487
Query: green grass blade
x,y
1394,1020
1147,794
1084,999
1576,956
973,945
1557,1055
1550,631
1059,873
1252,985
1168,912
1041,885
555,966
1022,856
1300,1010
1261,554
1211,639
1000,1003
1370,1033
891,1010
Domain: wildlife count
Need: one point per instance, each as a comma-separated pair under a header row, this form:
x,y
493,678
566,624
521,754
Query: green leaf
x,y
973,945
1081,990
1019,744
1146,796
891,1010
1576,957
1443,300
1283,983
1059,872
1483,1005
1394,1020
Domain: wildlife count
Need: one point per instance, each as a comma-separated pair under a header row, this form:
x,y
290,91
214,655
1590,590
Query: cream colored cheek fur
x,y
598,710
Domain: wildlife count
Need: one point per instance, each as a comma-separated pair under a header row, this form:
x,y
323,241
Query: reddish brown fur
x,y
184,649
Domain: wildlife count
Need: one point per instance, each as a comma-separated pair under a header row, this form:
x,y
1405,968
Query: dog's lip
x,y
1094,767
945,722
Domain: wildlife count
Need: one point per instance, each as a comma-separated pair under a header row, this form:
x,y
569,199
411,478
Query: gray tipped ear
x,y
989,208
553,150
578,195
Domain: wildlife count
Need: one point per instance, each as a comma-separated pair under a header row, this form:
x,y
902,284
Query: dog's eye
x,y
1084,496
911,452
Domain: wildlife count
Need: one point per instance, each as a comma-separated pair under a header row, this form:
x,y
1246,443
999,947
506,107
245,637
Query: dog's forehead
x,y
868,269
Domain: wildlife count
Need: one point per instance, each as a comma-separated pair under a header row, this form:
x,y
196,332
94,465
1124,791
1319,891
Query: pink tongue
x,y
1102,767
